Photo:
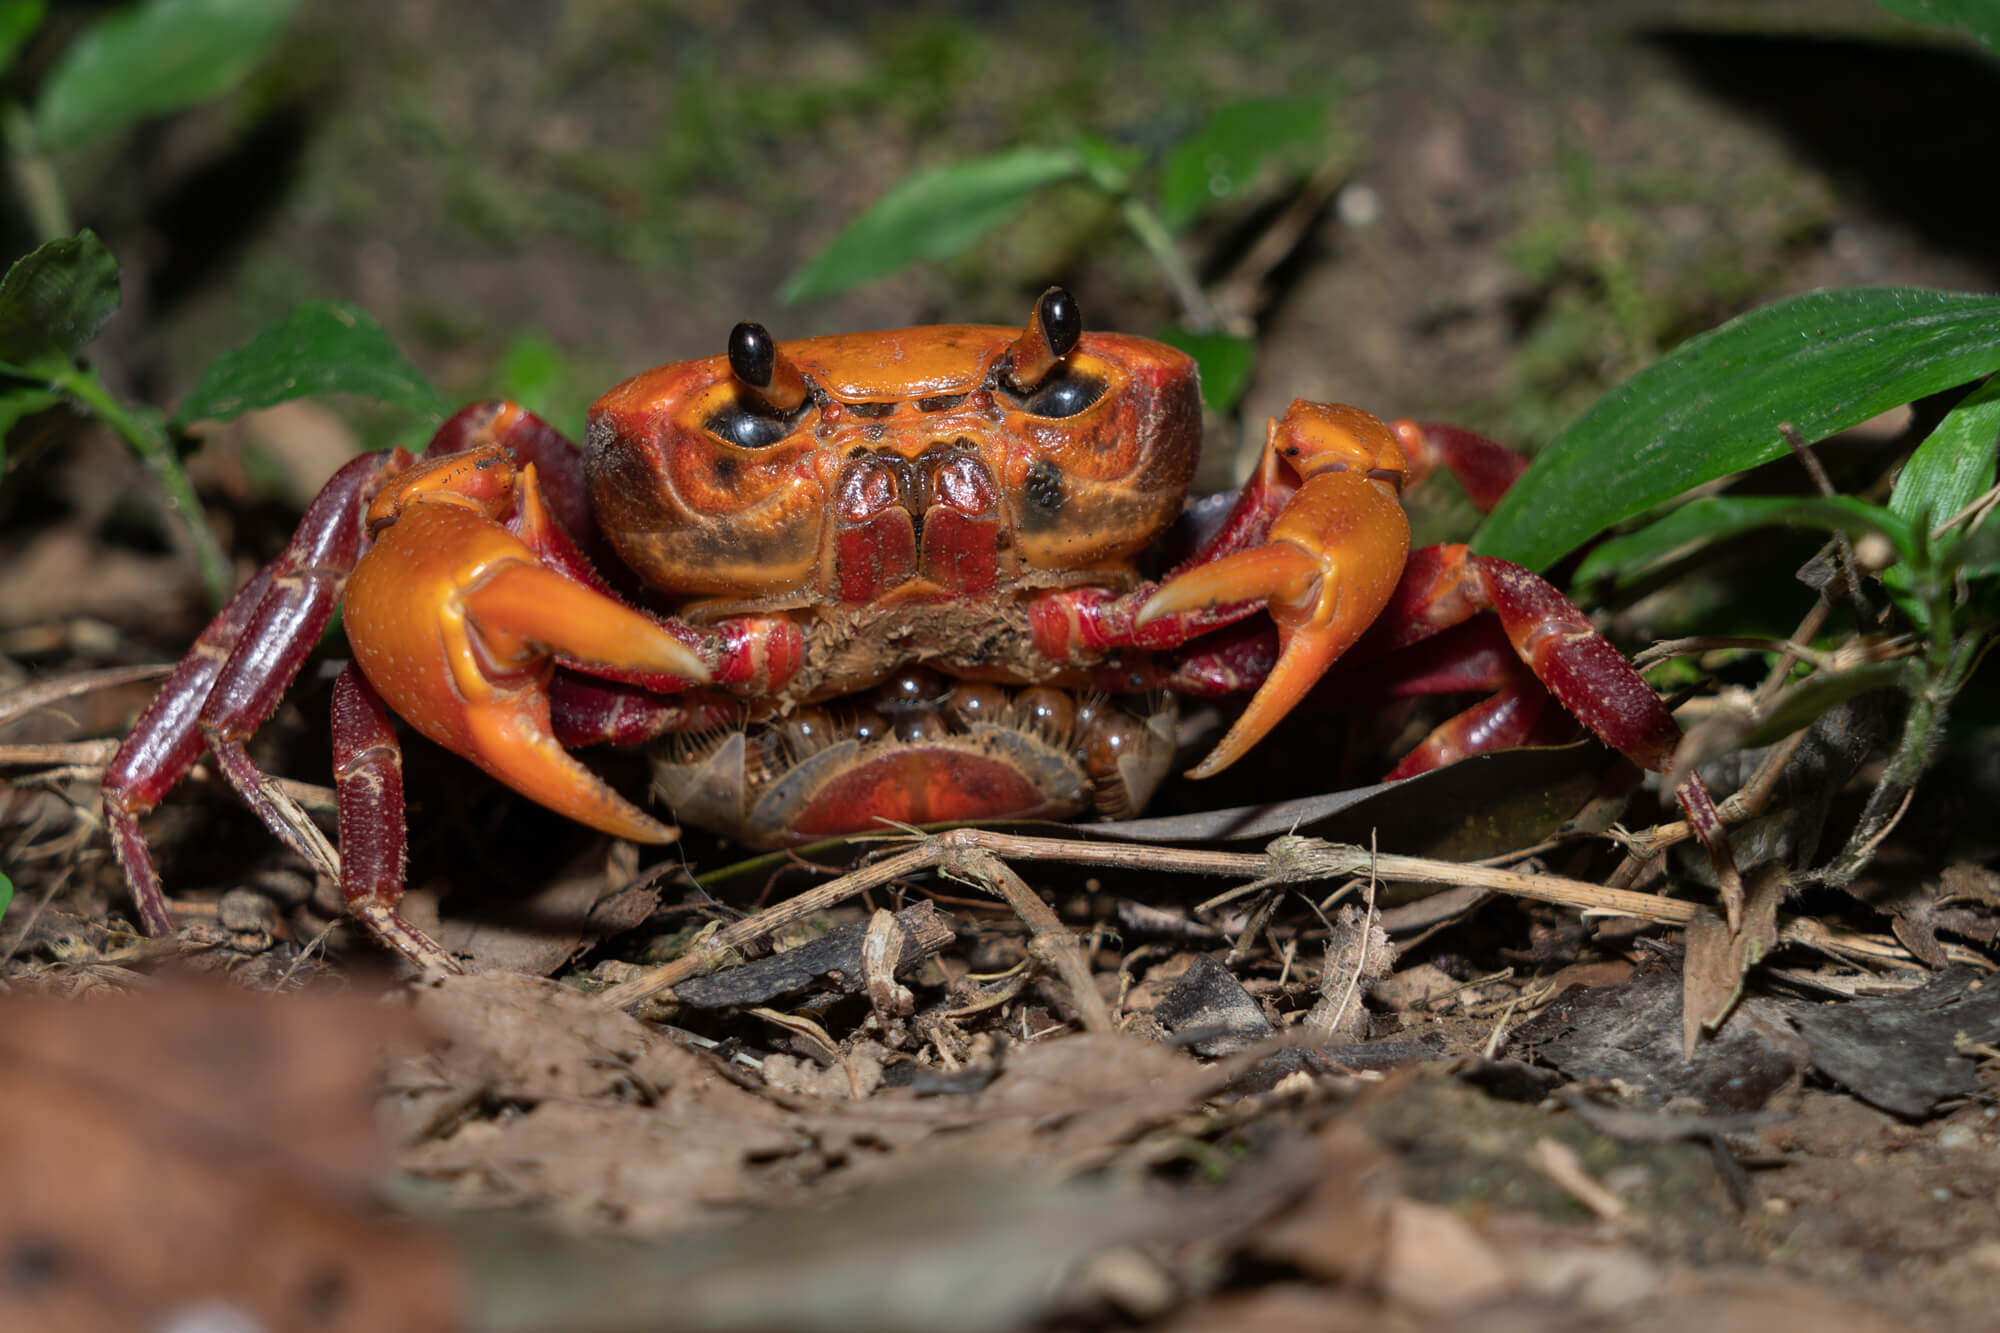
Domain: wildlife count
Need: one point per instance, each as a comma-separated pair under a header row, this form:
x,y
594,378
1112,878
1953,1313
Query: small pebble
x,y
1954,1137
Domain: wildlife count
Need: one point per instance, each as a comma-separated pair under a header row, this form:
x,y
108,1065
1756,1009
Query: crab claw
x,y
1332,559
456,624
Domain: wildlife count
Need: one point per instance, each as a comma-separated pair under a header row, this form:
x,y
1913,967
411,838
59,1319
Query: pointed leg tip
x,y
1212,764
677,659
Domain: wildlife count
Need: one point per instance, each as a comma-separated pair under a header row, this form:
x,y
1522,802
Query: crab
x,y
889,576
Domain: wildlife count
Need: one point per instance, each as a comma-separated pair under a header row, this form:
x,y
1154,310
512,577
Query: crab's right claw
x,y
456,624
1328,567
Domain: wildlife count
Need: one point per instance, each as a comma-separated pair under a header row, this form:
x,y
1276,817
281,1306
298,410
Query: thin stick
x,y
1289,859
1052,944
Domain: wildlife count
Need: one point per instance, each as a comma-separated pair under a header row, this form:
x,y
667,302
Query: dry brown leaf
x,y
624,1128
194,1146
1718,959
1340,1229
1436,1262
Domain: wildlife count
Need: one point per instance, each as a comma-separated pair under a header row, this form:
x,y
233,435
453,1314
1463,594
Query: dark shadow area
x,y
1896,126
208,217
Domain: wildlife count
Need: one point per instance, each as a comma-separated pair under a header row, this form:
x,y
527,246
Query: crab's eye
x,y
748,429
1035,368
1064,394
771,391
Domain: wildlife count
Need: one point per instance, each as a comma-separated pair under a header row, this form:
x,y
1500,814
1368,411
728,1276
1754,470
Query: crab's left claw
x,y
1329,565
456,623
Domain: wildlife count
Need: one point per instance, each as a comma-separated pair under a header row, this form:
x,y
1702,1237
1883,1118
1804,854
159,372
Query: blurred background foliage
x,y
1503,210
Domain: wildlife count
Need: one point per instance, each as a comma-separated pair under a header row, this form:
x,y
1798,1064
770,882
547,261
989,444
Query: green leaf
x,y
1220,160
320,347
151,58
22,400
1949,470
1802,704
54,300
930,214
530,369
1976,557
18,21
1225,362
1954,465
6,894
1713,517
1980,18
1109,166
1824,361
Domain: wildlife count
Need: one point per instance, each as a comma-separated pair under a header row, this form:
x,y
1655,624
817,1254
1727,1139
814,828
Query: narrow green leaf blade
x,y
1711,518
55,299
321,347
151,58
930,214
6,894
1949,470
1802,704
1225,361
1220,160
18,21
1981,18
1823,361
1954,465
1976,557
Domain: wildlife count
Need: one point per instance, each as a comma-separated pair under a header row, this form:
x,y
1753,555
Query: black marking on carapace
x,y
724,468
1044,494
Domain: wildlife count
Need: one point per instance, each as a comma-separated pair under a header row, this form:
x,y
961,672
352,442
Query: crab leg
x,y
234,677
1485,468
368,776
456,624
1445,586
1326,570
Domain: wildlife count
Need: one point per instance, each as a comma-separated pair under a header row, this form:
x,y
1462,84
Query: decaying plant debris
x,y
985,1080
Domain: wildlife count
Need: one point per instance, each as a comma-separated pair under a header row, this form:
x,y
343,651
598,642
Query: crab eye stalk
x,y
1052,331
1035,368
760,367
772,392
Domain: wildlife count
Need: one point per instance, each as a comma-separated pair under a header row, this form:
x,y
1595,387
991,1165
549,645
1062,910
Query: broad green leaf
x,y
1225,362
1949,470
320,347
6,894
54,300
1981,18
931,214
1713,517
151,58
18,21
1225,154
1824,361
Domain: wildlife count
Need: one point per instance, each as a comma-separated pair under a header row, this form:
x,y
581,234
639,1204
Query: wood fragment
x,y
834,959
